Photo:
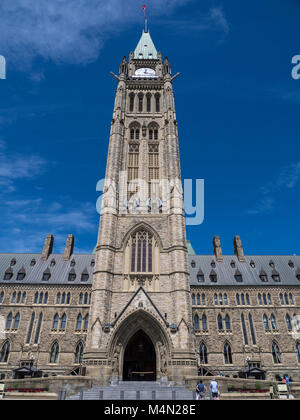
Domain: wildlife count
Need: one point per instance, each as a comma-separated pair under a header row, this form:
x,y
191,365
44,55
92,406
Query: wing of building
x,y
144,305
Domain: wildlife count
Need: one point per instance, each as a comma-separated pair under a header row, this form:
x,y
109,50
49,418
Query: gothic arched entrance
x,y
139,359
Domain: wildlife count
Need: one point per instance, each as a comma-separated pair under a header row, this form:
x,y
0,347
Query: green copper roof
x,y
190,248
145,49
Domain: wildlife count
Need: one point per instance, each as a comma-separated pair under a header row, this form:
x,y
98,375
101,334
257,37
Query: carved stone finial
x,y
238,248
48,246
217,248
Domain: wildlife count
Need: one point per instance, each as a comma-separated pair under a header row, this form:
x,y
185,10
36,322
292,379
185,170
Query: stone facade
x,y
61,312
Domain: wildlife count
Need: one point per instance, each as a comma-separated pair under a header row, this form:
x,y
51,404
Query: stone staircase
x,y
134,391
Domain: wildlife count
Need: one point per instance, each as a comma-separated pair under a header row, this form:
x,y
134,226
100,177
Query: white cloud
x,y
14,167
287,179
67,31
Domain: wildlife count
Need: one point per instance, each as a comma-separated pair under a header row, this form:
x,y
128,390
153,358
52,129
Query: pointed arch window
x,y
9,321
131,102
79,322
247,299
38,329
5,350
237,296
63,322
193,299
296,322
198,300
79,353
63,298
41,298
1,297
157,102
220,299
13,299
203,299
81,299
68,298
252,331
220,322
215,299
203,354
16,321
142,244
286,299
244,329
204,323
273,322
288,322
227,323
227,354
86,322
276,353
54,352
46,298
225,299
55,322
243,298
19,297
140,101
28,338
269,299
58,298
264,299
196,322
291,299
148,102
266,323
86,298
281,299
259,299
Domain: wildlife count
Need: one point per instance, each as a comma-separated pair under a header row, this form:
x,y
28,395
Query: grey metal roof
x,y
59,272
225,272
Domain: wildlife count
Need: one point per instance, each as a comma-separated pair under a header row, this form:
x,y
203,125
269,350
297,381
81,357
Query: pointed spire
x,y
145,49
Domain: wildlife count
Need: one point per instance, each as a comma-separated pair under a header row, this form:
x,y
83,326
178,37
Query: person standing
x,y
214,387
200,391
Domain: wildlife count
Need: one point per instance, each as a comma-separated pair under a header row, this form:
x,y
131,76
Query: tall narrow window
x,y
46,298
63,322
58,298
273,322
54,353
227,354
203,354
41,298
157,103
141,252
79,322
252,330
16,321
5,352
220,323
203,299
133,168
196,322
24,297
9,321
38,329
288,322
63,298
237,299
259,299
244,330
141,97
153,169
266,323
276,353
55,322
227,323
86,322
1,297
79,353
198,299
131,102
28,338
204,323
193,299
148,102
13,299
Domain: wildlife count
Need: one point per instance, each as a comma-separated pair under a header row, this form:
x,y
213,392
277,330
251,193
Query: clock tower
x,y
141,320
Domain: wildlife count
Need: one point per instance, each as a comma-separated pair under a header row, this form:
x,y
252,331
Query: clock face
x,y
145,72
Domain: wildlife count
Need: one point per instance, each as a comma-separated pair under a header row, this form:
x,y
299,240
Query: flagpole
x,y
146,21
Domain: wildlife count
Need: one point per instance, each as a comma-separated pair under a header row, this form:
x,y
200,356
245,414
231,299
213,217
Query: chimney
x,y
69,247
217,248
48,246
238,248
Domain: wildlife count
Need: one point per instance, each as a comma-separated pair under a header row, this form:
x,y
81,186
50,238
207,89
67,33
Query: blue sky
x,y
237,109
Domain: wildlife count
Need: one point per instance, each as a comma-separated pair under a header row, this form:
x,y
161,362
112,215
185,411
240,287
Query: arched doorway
x,y
139,359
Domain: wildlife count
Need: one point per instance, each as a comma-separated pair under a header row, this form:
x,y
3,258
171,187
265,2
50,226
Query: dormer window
x,y
213,276
252,264
93,263
213,264
32,263
291,264
72,276
84,277
232,264
8,274
52,264
238,277
275,276
298,274
46,275
193,264
73,263
264,278
21,274
271,264
13,262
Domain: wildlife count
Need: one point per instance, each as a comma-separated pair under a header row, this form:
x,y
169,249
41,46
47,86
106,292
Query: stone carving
x,y
115,359
217,248
163,358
